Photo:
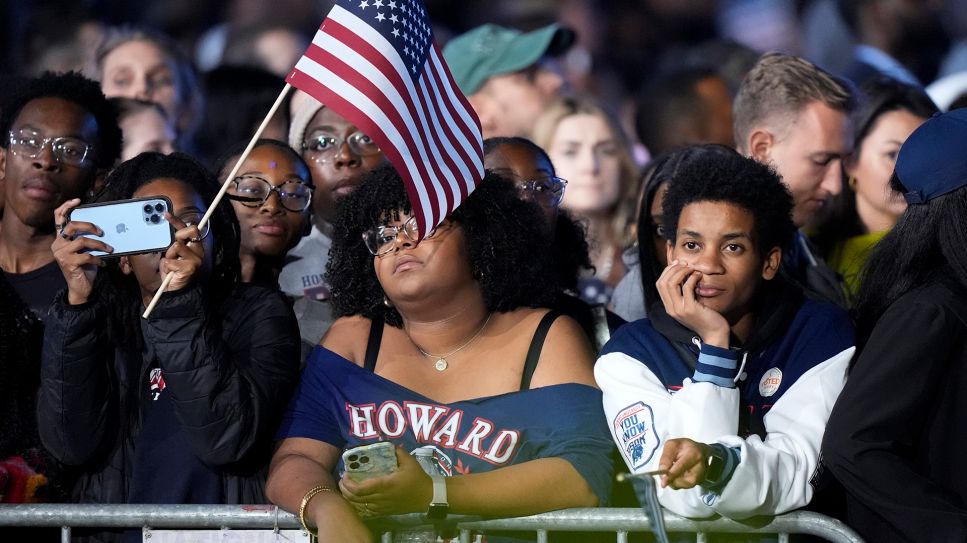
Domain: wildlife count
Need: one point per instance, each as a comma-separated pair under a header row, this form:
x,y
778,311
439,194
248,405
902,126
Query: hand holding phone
x,y
368,461
73,253
128,226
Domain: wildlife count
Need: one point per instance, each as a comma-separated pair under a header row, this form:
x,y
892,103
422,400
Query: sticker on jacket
x,y
157,382
634,427
770,382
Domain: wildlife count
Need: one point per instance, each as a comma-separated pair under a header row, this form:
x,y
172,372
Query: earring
x,y
852,183
387,302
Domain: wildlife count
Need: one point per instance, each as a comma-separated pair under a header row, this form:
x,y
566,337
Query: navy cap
x,y
933,160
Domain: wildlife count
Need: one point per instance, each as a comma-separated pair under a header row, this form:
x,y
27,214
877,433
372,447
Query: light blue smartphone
x,y
130,226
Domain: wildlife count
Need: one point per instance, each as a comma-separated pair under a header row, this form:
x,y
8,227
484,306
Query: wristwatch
x,y
439,506
717,461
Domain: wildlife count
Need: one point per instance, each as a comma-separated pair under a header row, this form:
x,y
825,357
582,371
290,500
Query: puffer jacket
x,y
230,372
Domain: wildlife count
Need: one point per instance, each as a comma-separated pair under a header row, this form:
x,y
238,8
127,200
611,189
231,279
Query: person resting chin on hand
x,y
725,388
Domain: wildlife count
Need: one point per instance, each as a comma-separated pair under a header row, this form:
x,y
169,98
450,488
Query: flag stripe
x,y
414,148
436,130
382,71
372,45
342,97
456,137
339,40
470,124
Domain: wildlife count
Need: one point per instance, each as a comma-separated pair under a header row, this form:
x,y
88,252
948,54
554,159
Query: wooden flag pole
x,y
221,193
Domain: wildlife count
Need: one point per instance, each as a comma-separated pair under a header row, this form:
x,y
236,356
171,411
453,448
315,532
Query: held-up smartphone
x,y
368,461
130,226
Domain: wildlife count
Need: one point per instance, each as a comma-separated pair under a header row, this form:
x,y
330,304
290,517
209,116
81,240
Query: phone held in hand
x,y
130,226
368,461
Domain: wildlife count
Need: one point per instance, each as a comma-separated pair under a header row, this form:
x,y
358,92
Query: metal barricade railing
x,y
621,521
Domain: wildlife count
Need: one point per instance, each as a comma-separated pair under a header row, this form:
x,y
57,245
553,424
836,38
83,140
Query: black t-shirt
x,y
37,288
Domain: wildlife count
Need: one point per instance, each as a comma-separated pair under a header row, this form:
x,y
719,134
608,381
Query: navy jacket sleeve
x,y
77,403
880,417
229,376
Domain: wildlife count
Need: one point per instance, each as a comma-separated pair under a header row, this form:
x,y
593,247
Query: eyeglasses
x,y
382,239
66,150
323,146
193,218
253,191
549,191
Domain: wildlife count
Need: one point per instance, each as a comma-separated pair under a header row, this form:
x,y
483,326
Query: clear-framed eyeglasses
x,y
549,190
322,146
382,239
191,218
253,191
66,149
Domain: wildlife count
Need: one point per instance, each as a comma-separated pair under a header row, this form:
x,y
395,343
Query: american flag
x,y
375,63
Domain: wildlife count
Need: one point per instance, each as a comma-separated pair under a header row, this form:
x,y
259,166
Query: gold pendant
x,y
441,364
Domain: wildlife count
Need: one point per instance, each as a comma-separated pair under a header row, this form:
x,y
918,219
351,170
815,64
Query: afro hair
x,y
737,180
507,246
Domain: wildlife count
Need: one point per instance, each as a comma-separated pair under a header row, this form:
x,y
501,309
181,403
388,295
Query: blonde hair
x,y
778,87
191,101
623,210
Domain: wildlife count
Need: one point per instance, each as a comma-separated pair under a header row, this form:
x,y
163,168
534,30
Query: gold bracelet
x,y
305,501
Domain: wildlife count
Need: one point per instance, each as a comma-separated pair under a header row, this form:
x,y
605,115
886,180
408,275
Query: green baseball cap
x,y
489,50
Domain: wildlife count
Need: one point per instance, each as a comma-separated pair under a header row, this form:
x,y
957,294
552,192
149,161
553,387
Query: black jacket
x,y
895,439
230,373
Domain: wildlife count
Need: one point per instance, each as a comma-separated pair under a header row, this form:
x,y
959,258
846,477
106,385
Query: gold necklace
x,y
441,360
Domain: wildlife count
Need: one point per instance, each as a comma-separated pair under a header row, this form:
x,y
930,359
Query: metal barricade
x,y
621,521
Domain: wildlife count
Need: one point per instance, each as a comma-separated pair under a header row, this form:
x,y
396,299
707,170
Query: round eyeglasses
x,y
382,239
322,146
66,149
549,191
253,191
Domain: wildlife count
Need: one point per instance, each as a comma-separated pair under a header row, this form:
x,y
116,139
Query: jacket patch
x,y
634,427
770,382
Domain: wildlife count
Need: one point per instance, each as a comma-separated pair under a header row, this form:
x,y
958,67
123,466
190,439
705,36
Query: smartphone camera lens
x,y
155,219
364,460
159,208
353,458
353,465
147,208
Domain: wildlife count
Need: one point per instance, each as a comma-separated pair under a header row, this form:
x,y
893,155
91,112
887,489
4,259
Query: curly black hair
x,y
662,170
506,245
737,180
76,88
121,184
570,245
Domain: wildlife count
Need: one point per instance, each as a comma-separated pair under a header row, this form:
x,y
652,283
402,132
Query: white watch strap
x,y
439,490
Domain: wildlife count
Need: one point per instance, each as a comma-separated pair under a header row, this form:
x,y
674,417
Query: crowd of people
x,y
749,282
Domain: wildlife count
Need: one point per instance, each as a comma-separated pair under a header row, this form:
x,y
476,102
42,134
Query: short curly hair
x,y
76,88
507,246
738,180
